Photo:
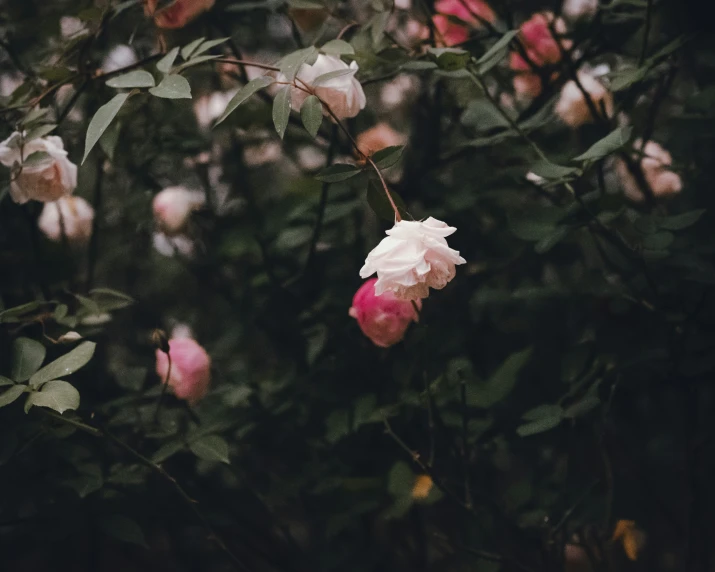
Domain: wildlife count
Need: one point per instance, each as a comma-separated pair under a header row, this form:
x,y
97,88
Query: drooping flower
x,y
178,13
471,15
572,107
379,137
173,206
47,179
384,318
413,258
71,215
190,373
655,165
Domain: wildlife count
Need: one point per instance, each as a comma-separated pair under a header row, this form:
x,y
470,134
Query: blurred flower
x,y
190,372
656,160
572,106
576,559
630,536
422,487
343,94
399,90
71,26
171,245
472,12
173,206
119,57
310,158
403,4
47,179
379,137
576,9
534,178
176,14
384,319
209,107
262,153
412,259
73,215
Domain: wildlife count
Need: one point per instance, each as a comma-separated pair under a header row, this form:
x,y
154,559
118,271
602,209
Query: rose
x,y
472,12
47,179
343,94
576,9
178,13
572,107
72,216
656,160
412,259
190,373
172,208
379,137
384,318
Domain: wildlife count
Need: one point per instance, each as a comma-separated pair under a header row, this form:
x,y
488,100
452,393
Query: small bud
x,y
68,338
159,339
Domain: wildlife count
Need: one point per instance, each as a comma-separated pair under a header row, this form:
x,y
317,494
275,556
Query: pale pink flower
x,y
384,319
74,215
190,373
472,12
379,137
173,206
655,165
576,9
178,13
572,107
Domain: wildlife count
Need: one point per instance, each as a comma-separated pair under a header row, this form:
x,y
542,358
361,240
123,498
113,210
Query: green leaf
x,y
15,312
326,77
56,394
206,46
306,4
535,224
290,64
101,121
377,26
281,110
552,171
546,410
311,113
27,357
337,48
123,528
495,54
211,448
167,450
501,383
612,142
681,221
244,93
64,365
5,381
379,203
136,78
658,241
579,408
548,242
418,65
165,63
337,425
10,395
35,159
189,48
338,172
400,480
387,157
172,87
39,131
450,59
539,426
194,61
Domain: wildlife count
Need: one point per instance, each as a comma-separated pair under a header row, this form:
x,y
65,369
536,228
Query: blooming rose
x,y
656,160
46,180
190,373
572,106
472,12
173,206
178,13
379,137
73,215
344,94
412,259
384,319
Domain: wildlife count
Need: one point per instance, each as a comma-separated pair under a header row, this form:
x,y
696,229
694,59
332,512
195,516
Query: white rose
x,y
655,165
46,180
73,214
173,206
343,94
575,9
210,107
412,259
572,106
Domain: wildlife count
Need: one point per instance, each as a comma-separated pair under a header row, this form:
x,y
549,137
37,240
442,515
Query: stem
x,y
164,387
323,201
398,218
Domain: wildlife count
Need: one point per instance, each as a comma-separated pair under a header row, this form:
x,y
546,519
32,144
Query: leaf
x,y
123,528
5,381
377,25
64,365
400,479
167,450
211,448
535,224
379,203
681,221
337,48
39,131
539,426
311,113
290,64
10,395
165,63
321,79
101,121
244,93
501,382
338,172
136,78
27,357
56,394
548,242
614,141
418,65
172,87
337,425
581,407
552,171
387,157
545,410
450,59
194,61
503,42
18,311
35,159
659,240
189,48
281,110
206,46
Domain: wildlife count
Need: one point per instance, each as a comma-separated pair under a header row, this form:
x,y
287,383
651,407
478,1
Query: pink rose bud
x,y
379,137
176,14
474,13
572,107
71,216
190,373
384,319
173,206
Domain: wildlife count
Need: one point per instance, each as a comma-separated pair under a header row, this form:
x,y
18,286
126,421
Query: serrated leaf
x,y
281,110
338,172
172,87
27,357
211,448
290,64
64,365
387,157
244,93
614,141
101,120
189,48
10,395
123,528
337,48
167,450
165,63
136,78
379,203
311,114
56,394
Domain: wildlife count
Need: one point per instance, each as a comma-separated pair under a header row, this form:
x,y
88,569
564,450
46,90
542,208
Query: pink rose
x,y
190,373
472,12
655,164
384,319
178,13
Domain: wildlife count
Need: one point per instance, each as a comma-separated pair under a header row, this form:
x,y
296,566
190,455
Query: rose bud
x,y
190,372
173,206
71,216
176,14
48,179
572,107
384,319
655,165
472,12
